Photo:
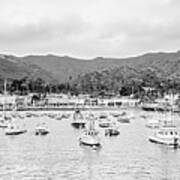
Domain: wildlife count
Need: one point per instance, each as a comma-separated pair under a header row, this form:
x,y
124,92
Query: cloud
x,y
89,28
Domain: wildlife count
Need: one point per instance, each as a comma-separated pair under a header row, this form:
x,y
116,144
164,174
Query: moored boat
x,y
3,123
124,120
78,120
105,123
90,136
12,129
41,129
153,124
167,134
112,131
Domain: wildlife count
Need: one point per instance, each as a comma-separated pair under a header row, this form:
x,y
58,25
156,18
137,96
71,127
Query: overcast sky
x,y
89,28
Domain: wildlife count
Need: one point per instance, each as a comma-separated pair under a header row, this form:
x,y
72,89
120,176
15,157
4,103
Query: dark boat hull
x,y
104,125
111,132
78,125
16,133
42,133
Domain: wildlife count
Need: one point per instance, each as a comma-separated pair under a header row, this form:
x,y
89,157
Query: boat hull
x,y
152,126
170,142
86,143
112,132
41,132
124,120
3,126
104,125
16,132
78,125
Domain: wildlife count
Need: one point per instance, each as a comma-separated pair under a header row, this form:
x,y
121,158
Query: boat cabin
x,y
168,132
91,133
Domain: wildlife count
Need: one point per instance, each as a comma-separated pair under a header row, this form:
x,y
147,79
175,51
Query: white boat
x,y
13,129
78,120
153,124
167,134
90,136
41,129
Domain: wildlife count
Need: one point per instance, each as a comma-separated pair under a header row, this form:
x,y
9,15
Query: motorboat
x,y
103,115
3,123
13,129
153,124
116,114
78,120
166,134
105,123
41,129
59,118
65,116
90,136
123,119
112,131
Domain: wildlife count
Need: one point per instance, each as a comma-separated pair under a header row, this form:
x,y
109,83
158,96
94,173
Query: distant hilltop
x,y
52,68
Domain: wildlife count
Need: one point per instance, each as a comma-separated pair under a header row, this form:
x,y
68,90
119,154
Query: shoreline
x,y
71,109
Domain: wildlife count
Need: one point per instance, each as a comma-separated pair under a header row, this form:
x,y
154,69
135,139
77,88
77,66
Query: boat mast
x,y
5,93
172,107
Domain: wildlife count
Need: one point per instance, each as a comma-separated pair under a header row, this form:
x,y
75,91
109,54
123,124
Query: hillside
x,y
63,67
12,67
60,68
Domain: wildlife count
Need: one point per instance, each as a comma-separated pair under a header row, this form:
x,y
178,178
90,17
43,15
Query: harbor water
x,y
58,155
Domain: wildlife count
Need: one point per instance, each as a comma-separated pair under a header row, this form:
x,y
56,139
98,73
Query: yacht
x,y
90,136
78,120
167,134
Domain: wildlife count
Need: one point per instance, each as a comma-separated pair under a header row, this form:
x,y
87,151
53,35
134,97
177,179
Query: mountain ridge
x,y
64,68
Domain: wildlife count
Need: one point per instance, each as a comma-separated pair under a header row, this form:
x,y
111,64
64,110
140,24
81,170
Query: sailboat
x,y
90,136
166,134
78,120
4,121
